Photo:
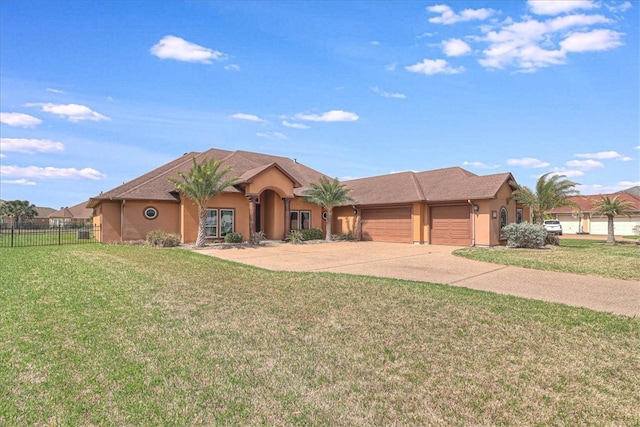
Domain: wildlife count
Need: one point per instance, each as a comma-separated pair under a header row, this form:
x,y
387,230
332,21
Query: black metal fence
x,y
29,235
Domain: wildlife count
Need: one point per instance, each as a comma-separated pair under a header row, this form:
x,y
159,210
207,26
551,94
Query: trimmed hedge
x,y
312,234
233,238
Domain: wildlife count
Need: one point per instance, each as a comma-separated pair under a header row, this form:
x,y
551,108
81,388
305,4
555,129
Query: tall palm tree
x,y
328,194
203,182
19,210
612,207
551,192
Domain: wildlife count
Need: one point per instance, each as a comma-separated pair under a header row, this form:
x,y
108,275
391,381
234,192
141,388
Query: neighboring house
x,y
41,220
74,216
633,190
585,219
446,206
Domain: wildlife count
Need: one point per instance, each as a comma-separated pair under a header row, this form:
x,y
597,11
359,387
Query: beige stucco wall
x,y
270,179
109,221
136,225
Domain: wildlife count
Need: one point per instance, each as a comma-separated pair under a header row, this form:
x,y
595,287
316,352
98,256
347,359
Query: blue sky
x,y
95,93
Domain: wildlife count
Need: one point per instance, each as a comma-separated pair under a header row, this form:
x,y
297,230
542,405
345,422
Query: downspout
x,y
122,221
473,224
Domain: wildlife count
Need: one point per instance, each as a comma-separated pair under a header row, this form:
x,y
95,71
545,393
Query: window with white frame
x,y
219,222
300,220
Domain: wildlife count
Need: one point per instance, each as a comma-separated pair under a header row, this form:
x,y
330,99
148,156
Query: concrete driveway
x,y
436,264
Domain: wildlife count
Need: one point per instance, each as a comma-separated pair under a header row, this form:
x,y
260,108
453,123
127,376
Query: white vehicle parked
x,y
552,226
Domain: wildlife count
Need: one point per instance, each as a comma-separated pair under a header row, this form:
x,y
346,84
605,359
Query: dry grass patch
x,y
126,336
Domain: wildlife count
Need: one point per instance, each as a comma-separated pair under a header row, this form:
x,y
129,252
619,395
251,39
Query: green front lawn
x,y
620,261
118,335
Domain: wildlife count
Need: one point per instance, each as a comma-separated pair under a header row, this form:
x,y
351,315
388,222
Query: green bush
x,y
342,236
525,235
162,239
233,238
295,237
312,234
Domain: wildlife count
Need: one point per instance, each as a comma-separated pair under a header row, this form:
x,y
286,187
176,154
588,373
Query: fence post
x,y
59,235
12,228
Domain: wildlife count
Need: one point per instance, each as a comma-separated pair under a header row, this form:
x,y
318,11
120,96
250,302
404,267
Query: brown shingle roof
x,y
155,185
79,211
449,184
585,203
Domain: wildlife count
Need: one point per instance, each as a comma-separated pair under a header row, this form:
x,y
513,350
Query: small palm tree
x,y
328,194
18,210
203,182
612,207
551,192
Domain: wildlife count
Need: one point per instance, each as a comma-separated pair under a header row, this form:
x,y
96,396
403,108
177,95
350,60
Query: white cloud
x,y
448,16
248,117
329,116
172,47
527,162
391,67
565,172
71,112
604,155
556,7
585,164
455,47
272,135
50,172
30,146
637,147
232,67
54,90
628,184
374,43
388,94
532,44
479,165
294,125
621,8
592,41
434,66
19,120
19,182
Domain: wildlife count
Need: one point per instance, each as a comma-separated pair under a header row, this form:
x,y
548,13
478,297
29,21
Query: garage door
x,y
451,225
387,225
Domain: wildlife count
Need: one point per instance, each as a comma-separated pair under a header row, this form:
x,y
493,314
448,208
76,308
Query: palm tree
x,y
203,182
551,192
611,207
18,210
328,194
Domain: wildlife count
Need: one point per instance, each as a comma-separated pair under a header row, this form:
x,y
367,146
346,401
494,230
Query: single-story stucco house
x,y
585,219
77,215
445,206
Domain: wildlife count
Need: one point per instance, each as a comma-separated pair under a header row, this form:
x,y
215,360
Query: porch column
x,y
287,217
252,214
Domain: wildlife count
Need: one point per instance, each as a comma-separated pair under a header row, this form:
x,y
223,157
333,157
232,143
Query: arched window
x,y
503,221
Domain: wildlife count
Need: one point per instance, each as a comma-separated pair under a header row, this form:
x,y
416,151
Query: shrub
x,y
552,239
233,238
525,235
342,236
311,234
159,238
256,238
295,237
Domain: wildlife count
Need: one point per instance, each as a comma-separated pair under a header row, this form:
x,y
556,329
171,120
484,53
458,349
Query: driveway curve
x,y
437,264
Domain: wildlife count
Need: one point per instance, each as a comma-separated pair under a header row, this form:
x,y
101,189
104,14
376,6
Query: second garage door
x,y
387,224
451,225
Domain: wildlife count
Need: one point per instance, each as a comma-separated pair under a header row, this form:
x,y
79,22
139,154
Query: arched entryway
x,y
270,215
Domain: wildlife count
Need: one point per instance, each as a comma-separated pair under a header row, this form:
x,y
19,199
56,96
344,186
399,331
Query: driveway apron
x,y
436,264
